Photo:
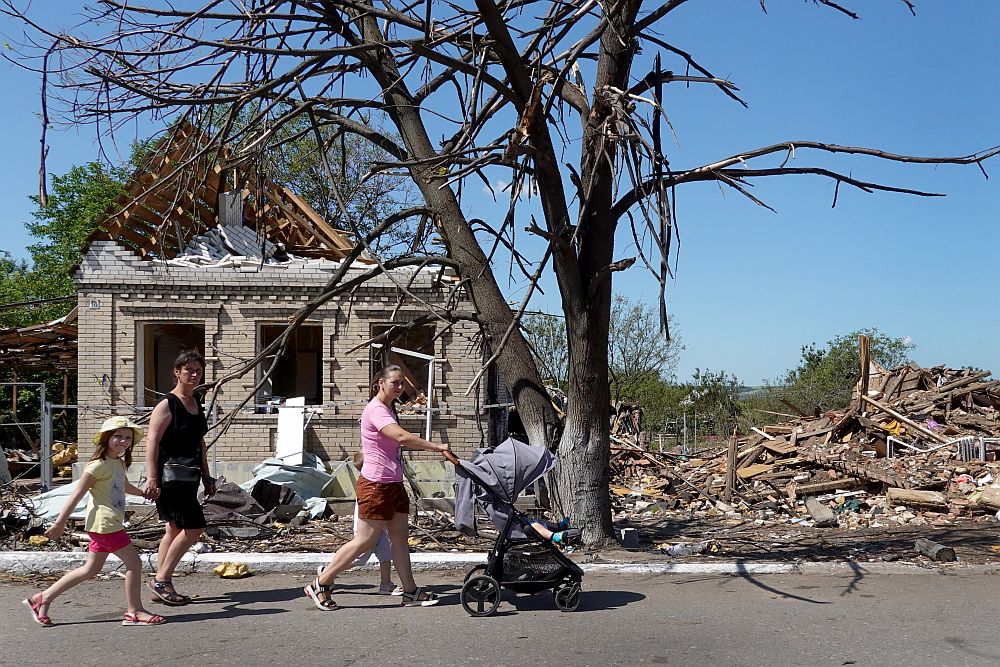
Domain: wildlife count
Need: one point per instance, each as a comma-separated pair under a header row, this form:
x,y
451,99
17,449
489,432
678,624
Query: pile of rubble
x,y
918,447
282,508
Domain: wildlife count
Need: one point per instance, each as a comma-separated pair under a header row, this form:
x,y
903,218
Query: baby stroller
x,y
521,560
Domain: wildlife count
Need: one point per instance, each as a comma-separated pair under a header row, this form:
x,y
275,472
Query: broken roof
x,y
42,346
178,196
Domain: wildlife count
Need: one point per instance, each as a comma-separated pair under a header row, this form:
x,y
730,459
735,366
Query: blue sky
x,y
753,286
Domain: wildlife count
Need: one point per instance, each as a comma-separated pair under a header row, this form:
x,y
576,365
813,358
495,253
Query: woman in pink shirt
x,y
382,500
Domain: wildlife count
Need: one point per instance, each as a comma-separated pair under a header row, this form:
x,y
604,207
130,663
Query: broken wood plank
x,y
727,494
752,471
937,437
846,484
779,447
927,499
961,382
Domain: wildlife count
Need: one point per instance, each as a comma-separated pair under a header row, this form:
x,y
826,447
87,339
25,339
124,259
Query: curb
x,y
52,562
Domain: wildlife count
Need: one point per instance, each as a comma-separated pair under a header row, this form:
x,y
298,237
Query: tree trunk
x,y
579,486
515,363
583,476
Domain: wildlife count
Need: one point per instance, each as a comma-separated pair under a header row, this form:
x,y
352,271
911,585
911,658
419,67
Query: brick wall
x,y
119,293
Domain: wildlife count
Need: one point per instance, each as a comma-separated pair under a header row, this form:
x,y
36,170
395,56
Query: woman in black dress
x,y
176,462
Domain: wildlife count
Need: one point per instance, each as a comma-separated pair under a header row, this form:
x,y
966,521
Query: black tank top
x,y
184,433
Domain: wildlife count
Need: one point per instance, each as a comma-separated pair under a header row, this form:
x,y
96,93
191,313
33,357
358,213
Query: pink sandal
x,y
151,619
33,607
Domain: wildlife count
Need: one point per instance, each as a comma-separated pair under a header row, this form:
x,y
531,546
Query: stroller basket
x,y
531,563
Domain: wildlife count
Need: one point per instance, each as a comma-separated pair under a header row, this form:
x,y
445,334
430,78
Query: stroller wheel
x,y
567,595
479,569
480,595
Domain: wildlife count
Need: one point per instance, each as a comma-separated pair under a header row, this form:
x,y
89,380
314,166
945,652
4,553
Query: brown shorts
x,y
380,502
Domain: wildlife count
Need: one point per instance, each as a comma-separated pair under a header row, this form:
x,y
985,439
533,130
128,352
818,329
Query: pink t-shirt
x,y
383,456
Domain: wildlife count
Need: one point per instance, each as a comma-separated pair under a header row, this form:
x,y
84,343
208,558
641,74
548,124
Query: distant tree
x,y
76,202
13,290
368,194
637,353
714,399
637,350
546,335
660,400
825,377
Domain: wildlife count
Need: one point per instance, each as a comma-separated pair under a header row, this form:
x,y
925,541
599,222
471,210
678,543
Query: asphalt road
x,y
860,619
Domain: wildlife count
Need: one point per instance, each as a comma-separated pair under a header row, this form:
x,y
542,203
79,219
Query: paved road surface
x,y
858,619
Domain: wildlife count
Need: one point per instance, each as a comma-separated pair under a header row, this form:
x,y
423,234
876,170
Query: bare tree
x,y
551,94
546,334
637,351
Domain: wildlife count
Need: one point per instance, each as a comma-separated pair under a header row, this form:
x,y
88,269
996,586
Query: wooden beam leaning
x,y
937,437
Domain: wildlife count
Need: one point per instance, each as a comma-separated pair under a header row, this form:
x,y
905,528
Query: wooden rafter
x,y
150,213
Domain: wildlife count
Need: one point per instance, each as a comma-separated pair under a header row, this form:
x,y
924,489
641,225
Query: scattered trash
x,y
684,549
229,570
200,548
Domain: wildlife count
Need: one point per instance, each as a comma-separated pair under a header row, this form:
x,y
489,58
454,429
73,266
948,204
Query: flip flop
x,y
133,619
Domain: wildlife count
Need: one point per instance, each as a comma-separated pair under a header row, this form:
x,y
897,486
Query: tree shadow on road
x,y
746,575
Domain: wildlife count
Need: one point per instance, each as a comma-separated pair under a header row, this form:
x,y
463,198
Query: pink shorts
x,y
108,542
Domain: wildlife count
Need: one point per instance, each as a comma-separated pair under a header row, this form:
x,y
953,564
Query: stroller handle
x,y
451,457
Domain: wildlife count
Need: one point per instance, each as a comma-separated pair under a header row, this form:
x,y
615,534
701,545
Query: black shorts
x,y
178,504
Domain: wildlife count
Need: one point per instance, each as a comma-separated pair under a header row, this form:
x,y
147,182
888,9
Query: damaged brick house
x,y
187,264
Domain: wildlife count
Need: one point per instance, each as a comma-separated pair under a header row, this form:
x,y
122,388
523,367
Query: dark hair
x,y
187,356
382,374
101,452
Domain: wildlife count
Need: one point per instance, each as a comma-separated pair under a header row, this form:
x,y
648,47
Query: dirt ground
x,y
975,541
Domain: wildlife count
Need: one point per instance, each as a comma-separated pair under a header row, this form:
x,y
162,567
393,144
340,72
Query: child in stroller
x,y
526,557
559,533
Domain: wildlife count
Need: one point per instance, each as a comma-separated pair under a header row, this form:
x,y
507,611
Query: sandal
x,y
164,591
151,619
389,589
419,598
34,608
313,592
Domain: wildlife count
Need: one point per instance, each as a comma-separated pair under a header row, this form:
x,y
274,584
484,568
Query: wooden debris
x,y
913,449
925,499
934,551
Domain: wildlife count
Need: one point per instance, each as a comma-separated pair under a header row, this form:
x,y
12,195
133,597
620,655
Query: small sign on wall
x,y
94,304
